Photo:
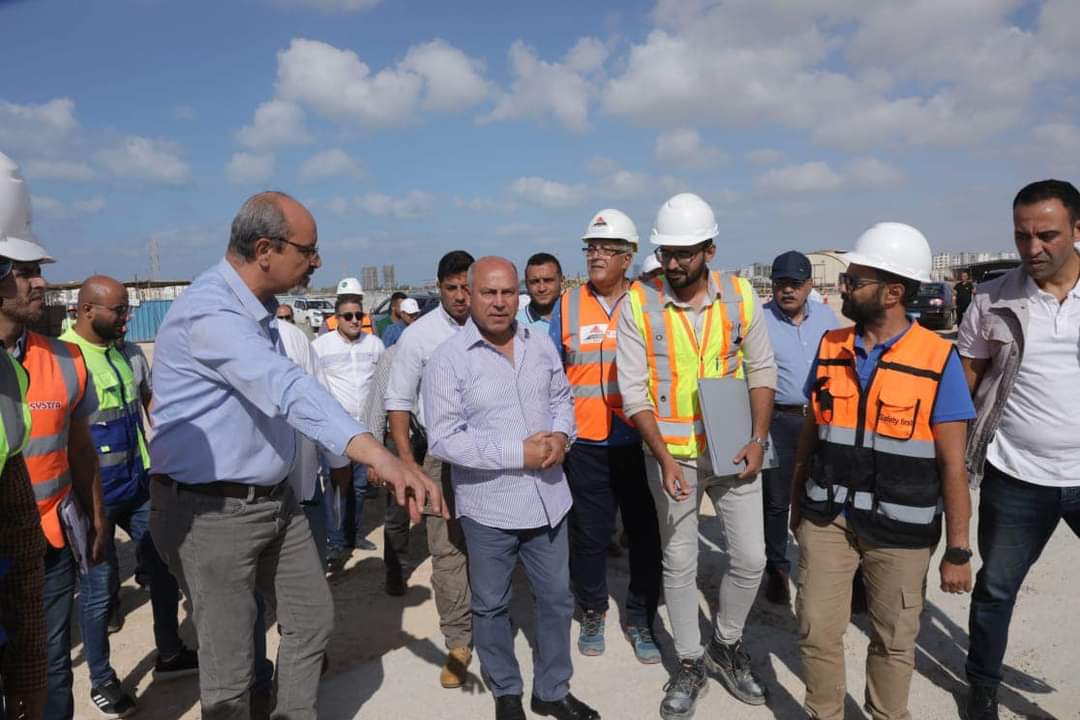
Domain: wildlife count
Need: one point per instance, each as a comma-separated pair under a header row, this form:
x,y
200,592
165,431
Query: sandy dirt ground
x,y
386,652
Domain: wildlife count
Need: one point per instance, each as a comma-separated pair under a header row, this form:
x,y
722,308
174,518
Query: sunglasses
x,y
349,317
288,318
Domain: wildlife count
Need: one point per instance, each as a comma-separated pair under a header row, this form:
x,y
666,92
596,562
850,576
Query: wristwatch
x,y
958,555
762,441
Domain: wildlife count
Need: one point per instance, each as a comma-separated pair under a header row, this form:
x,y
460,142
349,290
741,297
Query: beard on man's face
x,y
865,311
107,330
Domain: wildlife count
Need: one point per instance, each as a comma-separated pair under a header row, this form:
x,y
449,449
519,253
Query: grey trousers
x,y
222,550
738,507
449,565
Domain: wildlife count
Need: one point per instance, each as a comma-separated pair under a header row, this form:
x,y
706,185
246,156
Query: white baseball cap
x,y
409,307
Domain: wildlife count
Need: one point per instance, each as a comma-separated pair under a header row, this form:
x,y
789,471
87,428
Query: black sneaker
x,y
731,666
111,700
182,664
684,690
981,703
116,618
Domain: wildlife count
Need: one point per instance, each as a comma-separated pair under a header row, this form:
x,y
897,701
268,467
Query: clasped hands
x,y
544,450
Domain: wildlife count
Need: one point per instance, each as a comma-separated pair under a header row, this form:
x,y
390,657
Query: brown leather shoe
x,y
776,587
456,668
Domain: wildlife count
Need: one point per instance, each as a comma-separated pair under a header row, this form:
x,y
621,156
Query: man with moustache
x,y
227,403
605,466
1018,344
693,324
880,455
796,324
499,410
544,283
117,433
406,418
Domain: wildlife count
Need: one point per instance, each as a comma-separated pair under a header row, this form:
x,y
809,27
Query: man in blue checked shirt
x,y
227,405
499,410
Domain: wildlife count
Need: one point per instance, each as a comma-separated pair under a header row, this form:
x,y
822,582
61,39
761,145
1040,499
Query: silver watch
x,y
762,441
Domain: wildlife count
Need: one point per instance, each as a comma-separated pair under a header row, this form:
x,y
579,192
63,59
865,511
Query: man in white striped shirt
x,y
499,410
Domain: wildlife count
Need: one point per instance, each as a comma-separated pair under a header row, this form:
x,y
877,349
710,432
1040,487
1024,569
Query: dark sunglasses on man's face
x,y
348,317
287,318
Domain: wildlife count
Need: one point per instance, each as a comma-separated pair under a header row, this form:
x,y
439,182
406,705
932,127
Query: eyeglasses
x,y
305,250
603,250
683,257
854,283
349,317
5,268
124,310
286,318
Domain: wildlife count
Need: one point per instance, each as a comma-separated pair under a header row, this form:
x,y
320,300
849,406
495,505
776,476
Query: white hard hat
x,y
17,240
409,307
610,224
684,220
893,247
350,286
651,264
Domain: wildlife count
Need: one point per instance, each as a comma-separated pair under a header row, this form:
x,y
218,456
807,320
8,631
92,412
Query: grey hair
x,y
259,217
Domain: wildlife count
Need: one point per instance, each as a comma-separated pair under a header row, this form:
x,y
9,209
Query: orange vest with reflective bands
x,y
365,326
876,459
57,382
588,339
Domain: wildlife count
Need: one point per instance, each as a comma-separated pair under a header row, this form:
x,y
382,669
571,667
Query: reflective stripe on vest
x,y
14,411
677,359
588,338
58,375
876,454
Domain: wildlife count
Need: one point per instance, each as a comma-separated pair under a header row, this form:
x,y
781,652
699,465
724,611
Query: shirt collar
x,y
473,337
885,345
1034,291
782,316
19,351
251,304
714,291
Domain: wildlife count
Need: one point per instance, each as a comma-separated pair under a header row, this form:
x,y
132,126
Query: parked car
x,y
426,301
308,310
934,306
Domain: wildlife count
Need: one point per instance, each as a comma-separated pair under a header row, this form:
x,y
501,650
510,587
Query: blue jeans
x,y
1016,519
59,598
342,536
545,553
776,485
100,584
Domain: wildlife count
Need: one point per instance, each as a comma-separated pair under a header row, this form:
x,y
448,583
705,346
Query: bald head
x,y
494,283
273,215
103,310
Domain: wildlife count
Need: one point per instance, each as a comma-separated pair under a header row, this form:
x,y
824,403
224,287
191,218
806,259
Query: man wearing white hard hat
x,y
692,324
880,456
605,466
408,313
351,287
650,268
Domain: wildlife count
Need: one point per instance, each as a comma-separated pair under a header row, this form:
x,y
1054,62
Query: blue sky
x,y
412,128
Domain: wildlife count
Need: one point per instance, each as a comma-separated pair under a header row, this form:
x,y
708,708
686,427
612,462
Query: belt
x,y
791,409
223,488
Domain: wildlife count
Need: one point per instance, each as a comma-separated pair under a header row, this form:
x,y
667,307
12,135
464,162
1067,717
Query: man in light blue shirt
x,y
227,403
498,408
796,325
544,283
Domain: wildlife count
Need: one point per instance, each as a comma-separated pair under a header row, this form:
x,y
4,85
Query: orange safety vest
x,y
365,326
588,340
876,459
57,383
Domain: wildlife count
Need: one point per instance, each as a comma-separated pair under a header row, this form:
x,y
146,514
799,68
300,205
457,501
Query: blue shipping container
x,y
146,319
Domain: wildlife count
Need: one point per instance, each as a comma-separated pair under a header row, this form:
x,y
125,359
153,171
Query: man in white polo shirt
x,y
1019,345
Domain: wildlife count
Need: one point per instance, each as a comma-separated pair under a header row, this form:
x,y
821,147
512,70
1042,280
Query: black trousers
x,y
603,480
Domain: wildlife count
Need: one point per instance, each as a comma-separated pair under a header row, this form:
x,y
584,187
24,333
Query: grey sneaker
x,y
591,638
684,690
731,666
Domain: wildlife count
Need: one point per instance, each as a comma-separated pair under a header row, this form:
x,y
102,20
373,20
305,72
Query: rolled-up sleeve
x,y
758,358
404,384
562,399
632,363
969,340
450,437
232,346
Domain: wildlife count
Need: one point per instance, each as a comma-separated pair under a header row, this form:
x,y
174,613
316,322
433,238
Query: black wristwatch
x,y
958,555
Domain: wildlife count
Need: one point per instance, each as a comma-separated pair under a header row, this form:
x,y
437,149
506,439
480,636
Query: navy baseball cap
x,y
792,265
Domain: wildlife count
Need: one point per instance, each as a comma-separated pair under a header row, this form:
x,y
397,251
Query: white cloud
x,y
36,129
336,84
246,168
542,88
327,164
51,208
548,193
684,147
90,205
518,230
333,6
412,205
1058,136
45,169
141,158
588,55
485,204
808,177
764,156
869,172
276,123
